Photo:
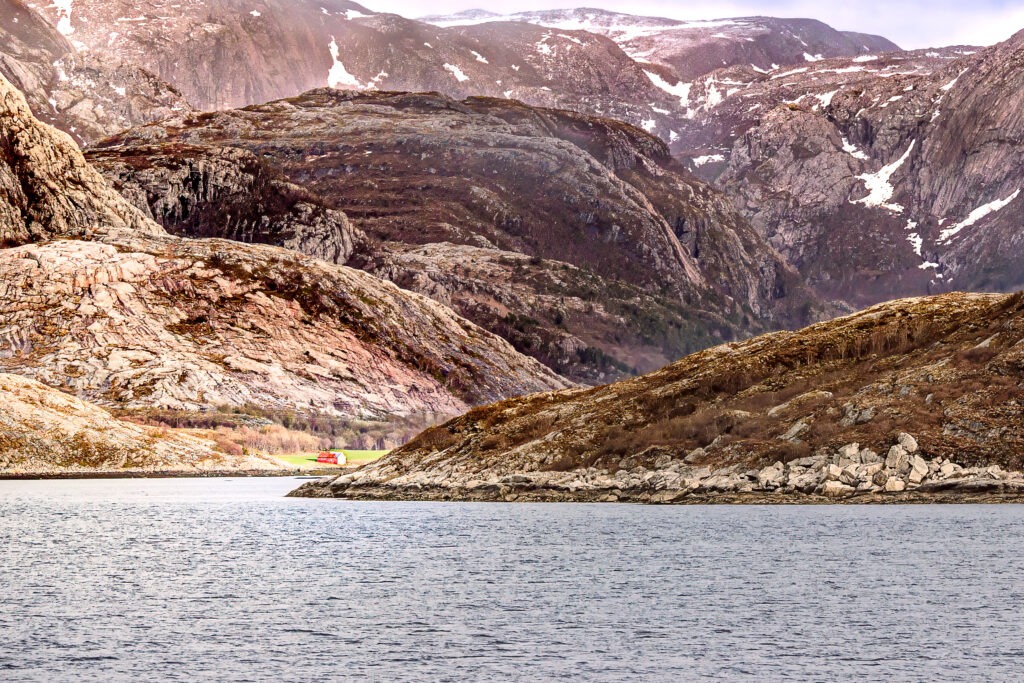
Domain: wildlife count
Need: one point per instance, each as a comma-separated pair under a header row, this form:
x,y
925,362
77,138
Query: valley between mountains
x,y
553,255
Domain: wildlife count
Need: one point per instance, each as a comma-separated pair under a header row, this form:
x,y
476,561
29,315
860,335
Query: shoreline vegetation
x,y
300,464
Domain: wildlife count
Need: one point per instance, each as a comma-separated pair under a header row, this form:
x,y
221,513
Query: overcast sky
x,y
914,24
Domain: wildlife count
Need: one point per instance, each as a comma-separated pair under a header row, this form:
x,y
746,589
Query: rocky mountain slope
x,y
690,49
230,53
908,398
85,95
45,431
579,239
880,176
95,298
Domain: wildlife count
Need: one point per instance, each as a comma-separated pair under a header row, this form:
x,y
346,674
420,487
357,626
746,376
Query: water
x,y
190,580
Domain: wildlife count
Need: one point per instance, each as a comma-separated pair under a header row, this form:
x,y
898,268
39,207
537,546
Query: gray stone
x,y
771,477
694,455
898,460
908,442
919,465
795,431
868,456
894,485
850,475
836,489
850,451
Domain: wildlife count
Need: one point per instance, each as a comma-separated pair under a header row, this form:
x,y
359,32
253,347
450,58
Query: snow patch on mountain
x,y
64,8
949,86
803,69
825,99
338,76
852,150
880,190
455,71
680,90
707,159
946,235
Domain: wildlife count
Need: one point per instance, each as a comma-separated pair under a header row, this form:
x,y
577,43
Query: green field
x,y
353,457
363,456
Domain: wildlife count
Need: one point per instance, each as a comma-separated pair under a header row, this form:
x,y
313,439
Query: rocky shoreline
x,y
850,474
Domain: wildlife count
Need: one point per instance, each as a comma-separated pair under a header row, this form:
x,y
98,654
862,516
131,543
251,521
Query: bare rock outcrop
x,y
188,324
228,192
583,198
85,94
881,176
96,299
48,188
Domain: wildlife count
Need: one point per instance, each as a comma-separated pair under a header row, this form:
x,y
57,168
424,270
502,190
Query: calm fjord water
x,y
227,580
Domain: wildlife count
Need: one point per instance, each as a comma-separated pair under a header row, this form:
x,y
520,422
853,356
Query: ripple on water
x,y
227,580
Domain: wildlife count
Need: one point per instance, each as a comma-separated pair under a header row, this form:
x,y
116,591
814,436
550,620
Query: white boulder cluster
x,y
847,472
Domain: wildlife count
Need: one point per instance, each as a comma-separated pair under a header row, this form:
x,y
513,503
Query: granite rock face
x,y
48,188
494,180
881,176
98,300
87,95
230,193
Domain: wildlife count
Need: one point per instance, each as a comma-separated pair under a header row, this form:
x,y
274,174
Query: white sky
x,y
910,24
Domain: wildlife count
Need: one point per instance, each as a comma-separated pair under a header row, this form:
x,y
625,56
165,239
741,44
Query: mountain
x,y
577,238
879,176
98,300
691,49
913,397
85,95
231,53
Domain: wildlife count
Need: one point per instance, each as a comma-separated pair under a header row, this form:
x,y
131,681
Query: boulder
x,y
869,471
898,460
795,431
868,456
805,482
836,489
850,451
694,455
908,442
918,469
850,475
894,485
771,477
